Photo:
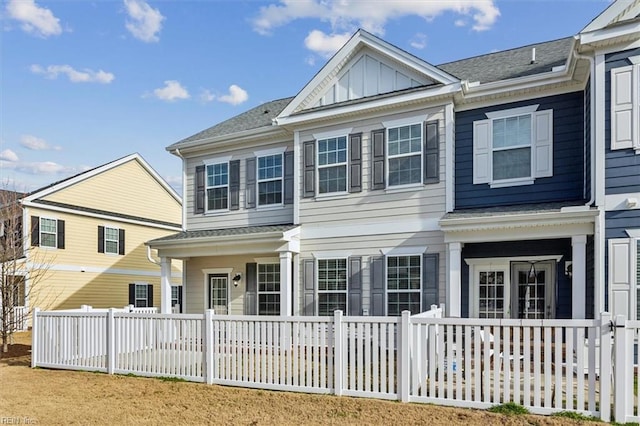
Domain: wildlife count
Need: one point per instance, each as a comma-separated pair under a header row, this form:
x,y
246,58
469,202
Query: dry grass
x,y
70,397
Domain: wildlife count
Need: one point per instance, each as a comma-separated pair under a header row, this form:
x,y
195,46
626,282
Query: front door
x,y
533,295
219,293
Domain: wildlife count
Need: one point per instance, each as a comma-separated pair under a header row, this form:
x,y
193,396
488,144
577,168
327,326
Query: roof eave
x,y
228,139
624,31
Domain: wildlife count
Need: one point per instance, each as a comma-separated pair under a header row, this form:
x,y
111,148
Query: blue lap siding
x,y
568,180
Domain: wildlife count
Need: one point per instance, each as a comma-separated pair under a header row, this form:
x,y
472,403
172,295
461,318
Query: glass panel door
x,y
493,294
534,290
219,293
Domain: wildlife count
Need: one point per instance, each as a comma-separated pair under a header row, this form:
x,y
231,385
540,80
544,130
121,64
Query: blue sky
x,y
83,83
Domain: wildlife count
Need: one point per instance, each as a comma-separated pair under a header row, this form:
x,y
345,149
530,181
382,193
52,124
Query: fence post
x,y
404,358
208,356
35,338
338,358
622,380
111,341
605,366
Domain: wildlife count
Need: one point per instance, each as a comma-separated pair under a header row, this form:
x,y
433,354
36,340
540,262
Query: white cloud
x,y
171,91
460,23
75,76
37,144
9,155
38,168
144,22
35,19
323,44
206,96
236,96
345,15
419,41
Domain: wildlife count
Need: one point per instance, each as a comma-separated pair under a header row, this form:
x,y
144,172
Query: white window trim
x,y
55,233
205,273
214,162
179,287
345,164
269,153
345,291
403,123
146,297
386,277
117,239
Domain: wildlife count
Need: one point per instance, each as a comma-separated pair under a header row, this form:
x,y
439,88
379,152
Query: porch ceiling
x,y
230,241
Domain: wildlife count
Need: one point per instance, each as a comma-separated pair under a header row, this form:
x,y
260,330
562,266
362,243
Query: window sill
x,y
508,183
216,212
331,196
404,188
270,207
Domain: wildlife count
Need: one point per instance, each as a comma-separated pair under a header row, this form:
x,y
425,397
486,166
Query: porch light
x,y
236,279
532,271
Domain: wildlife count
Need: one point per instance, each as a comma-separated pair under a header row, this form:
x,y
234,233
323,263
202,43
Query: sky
x,y
83,83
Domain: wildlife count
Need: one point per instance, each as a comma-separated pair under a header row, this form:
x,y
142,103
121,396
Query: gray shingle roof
x,y
260,116
511,63
208,233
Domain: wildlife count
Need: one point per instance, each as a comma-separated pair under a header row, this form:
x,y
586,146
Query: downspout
x,y
151,259
184,185
592,136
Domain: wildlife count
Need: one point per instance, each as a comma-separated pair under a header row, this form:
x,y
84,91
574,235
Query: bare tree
x,y
22,270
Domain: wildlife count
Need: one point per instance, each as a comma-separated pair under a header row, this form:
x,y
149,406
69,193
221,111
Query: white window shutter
x,y
622,108
542,143
620,277
481,151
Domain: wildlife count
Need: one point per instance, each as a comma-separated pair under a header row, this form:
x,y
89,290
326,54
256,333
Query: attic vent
x,y
533,55
266,111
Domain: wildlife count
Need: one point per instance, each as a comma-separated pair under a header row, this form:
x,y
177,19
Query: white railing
x,y
425,358
18,318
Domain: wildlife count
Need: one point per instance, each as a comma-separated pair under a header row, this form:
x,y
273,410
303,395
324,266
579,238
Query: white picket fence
x,y
539,364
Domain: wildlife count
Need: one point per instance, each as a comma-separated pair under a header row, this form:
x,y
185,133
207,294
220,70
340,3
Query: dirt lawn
x,y
39,396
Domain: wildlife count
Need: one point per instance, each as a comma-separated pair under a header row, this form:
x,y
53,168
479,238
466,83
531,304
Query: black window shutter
x,y
121,241
132,294
149,296
377,159
35,231
250,190
308,271
288,177
355,162
180,299
429,280
60,234
234,185
199,190
100,239
378,286
431,152
251,290
355,286
309,154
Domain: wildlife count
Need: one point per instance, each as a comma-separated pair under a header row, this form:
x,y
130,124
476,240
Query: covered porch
x,y
521,262
247,270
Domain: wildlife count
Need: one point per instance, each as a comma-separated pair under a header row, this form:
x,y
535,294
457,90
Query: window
x,y
403,285
48,232
332,286
17,290
625,107
491,294
270,180
269,289
176,296
218,186
513,147
404,147
111,241
142,296
332,165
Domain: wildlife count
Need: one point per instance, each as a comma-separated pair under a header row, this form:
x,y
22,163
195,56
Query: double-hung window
x,y
513,147
332,165
404,147
217,186
48,232
141,296
404,284
270,180
268,289
111,240
332,286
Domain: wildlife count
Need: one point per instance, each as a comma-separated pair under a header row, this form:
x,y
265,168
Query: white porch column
x,y
454,281
579,276
165,285
286,288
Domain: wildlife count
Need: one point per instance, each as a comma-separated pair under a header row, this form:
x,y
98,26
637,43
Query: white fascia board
x,y
354,229
275,237
605,18
386,102
631,28
527,82
232,139
101,216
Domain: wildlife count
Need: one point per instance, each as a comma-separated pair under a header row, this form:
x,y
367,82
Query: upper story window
x,y
404,145
513,147
270,179
47,232
110,240
625,107
332,165
332,286
217,186
404,288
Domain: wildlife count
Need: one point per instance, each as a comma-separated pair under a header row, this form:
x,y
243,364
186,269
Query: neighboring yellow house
x,y
88,232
